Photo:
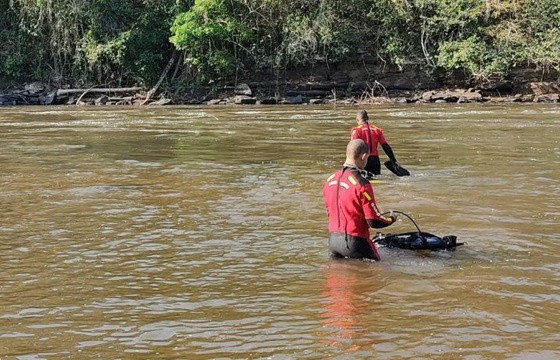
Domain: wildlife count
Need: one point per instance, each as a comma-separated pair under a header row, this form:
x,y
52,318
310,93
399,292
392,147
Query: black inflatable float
x,y
417,241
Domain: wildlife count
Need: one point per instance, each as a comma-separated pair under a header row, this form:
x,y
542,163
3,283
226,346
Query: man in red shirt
x,y
351,207
371,135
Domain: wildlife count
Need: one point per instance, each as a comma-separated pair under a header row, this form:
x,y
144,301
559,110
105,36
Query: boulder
x,y
309,93
547,98
427,96
267,101
102,100
295,100
162,102
244,100
397,81
214,102
35,87
452,96
243,89
541,88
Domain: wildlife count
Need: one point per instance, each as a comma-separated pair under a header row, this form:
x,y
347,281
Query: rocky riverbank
x,y
327,87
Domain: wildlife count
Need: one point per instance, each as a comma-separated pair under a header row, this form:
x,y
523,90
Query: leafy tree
x,y
215,40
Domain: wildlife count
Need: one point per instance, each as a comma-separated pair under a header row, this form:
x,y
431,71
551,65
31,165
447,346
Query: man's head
x,y
357,153
362,117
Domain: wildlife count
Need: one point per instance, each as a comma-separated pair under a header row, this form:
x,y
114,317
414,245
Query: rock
x,y
397,81
340,77
548,98
452,96
244,100
358,86
295,100
497,85
102,100
427,95
440,101
267,101
243,89
324,86
541,88
162,102
5,101
316,101
308,93
35,87
214,102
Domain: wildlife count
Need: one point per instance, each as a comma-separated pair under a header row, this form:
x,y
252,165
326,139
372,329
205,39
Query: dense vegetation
x,y
117,42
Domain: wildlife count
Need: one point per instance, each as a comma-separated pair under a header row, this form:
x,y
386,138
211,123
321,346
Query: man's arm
x,y
373,217
381,222
389,151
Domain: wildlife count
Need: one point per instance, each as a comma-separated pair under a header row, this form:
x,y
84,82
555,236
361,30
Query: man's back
x,y
348,197
371,135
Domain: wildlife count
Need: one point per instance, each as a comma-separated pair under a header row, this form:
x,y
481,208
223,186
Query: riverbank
x,y
316,86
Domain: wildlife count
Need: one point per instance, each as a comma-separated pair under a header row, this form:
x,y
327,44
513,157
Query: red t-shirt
x,y
371,135
350,202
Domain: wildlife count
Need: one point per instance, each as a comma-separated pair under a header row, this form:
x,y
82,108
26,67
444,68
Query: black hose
x,y
405,215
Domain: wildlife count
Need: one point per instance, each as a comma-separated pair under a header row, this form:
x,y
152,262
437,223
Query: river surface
x,y
200,233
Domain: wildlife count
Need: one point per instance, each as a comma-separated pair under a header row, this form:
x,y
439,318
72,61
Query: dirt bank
x,y
343,84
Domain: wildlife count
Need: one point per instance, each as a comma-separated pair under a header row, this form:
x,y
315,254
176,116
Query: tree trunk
x,y
161,78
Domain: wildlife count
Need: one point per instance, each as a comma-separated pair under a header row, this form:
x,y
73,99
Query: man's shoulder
x,y
359,178
332,177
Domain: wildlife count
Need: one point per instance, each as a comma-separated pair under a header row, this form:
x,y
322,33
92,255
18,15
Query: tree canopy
x,y
129,41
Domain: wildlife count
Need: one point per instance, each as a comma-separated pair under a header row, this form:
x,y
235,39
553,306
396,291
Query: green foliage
x,y
80,41
131,41
469,54
212,36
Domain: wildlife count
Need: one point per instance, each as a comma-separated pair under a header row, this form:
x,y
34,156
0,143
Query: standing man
x,y
372,136
351,207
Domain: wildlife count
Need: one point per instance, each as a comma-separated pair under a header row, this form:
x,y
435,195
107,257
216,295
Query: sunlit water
x,y
200,233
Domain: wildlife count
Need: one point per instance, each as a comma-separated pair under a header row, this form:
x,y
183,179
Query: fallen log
x,y
62,92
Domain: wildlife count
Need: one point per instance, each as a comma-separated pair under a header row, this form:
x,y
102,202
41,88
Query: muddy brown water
x,y
200,233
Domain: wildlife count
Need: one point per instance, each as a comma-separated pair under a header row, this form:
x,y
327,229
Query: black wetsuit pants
x,y
342,245
373,165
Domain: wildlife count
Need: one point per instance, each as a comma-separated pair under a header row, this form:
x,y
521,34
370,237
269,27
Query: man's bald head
x,y
362,117
356,149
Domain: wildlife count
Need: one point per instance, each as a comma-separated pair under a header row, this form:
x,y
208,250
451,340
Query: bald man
x,y
351,207
371,135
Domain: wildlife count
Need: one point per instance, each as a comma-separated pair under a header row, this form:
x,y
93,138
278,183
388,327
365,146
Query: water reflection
x,y
345,305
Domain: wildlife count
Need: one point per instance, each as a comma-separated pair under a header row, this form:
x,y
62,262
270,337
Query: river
x,y
200,233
